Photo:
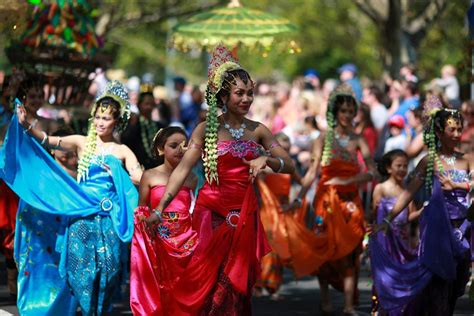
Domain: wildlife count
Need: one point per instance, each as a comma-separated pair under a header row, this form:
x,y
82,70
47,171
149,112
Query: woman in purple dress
x,y
440,271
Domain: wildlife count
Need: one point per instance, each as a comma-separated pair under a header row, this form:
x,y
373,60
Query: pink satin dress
x,y
158,256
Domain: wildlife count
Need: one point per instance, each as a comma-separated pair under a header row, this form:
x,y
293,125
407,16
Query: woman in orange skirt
x,y
274,189
338,226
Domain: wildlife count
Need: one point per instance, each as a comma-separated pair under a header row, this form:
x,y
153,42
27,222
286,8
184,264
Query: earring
x,y
160,152
224,109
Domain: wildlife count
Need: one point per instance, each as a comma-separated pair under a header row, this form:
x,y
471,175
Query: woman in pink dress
x,y
219,278
173,241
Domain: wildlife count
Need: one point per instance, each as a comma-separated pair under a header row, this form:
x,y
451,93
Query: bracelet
x,y
158,213
45,138
387,221
282,164
58,144
32,125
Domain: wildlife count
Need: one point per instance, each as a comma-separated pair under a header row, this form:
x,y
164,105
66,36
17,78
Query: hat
x,y
348,67
397,120
311,73
179,80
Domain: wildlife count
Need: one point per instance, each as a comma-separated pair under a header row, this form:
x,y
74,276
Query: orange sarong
x,y
337,231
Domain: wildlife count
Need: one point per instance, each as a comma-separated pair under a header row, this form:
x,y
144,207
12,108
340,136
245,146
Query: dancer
x,y
99,208
441,270
339,216
220,277
36,257
393,167
274,190
170,246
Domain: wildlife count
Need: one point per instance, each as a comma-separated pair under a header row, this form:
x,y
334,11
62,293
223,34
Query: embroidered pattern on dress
x,y
456,175
342,153
163,231
240,148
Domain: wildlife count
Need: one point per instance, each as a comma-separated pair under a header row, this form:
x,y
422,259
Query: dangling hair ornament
x,y
221,62
431,107
343,89
116,91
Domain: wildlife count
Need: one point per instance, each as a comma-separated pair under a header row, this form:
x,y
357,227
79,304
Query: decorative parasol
x,y
233,25
60,47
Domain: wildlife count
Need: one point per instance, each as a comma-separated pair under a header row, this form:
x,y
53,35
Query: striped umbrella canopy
x,y
233,25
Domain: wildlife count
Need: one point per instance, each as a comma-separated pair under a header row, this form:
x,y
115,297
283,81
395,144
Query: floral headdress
x,y
342,90
116,91
221,62
432,107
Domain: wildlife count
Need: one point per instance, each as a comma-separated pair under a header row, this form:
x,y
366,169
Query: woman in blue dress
x,y
98,208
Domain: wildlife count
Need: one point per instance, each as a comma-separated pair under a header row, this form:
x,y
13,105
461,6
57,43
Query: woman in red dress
x,y
219,278
169,246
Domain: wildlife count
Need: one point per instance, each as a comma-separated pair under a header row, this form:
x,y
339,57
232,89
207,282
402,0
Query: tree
x,y
402,25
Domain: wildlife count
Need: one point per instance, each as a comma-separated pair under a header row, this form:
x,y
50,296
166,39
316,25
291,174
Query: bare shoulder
x,y
154,177
379,190
124,149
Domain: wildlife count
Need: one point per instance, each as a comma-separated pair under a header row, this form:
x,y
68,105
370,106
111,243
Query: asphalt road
x,y
298,298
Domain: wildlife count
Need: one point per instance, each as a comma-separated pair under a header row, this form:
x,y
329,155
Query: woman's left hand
x,y
256,166
447,183
338,181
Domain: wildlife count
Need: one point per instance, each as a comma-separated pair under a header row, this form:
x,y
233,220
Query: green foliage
x,y
331,32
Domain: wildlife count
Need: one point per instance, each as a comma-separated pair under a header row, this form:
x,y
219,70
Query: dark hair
x,y
162,136
143,95
32,82
376,92
412,86
387,159
440,119
63,131
339,101
107,102
366,118
311,120
418,112
229,79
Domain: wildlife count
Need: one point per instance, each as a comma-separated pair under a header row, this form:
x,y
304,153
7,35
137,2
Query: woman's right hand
x,y
21,113
152,219
375,228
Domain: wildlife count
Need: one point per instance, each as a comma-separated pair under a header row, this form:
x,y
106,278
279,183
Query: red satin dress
x,y
8,209
220,277
159,257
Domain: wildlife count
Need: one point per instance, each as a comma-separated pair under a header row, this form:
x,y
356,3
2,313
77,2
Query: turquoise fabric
x,y
42,184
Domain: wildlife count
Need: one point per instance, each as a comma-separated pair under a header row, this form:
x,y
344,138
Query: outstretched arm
x,y
68,143
409,193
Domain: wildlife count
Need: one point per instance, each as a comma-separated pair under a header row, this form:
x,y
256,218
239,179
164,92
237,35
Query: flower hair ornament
x,y
220,63
341,90
116,91
432,107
